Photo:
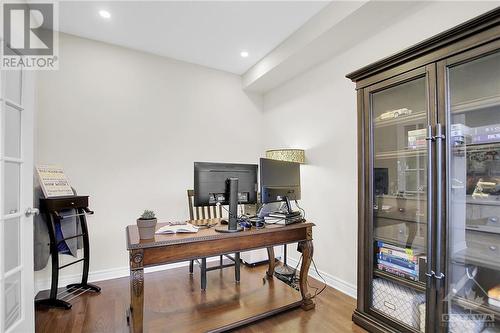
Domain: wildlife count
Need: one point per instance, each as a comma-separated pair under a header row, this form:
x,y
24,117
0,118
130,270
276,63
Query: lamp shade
x,y
289,155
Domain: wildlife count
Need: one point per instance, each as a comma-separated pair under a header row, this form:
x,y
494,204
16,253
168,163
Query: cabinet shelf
x,y
417,285
483,146
475,104
481,201
408,152
390,196
402,120
476,307
396,220
485,261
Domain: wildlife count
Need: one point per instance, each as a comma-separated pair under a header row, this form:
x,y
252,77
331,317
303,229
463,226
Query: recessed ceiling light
x,y
244,54
105,14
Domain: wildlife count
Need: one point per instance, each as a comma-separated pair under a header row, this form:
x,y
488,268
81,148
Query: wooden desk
x,y
166,249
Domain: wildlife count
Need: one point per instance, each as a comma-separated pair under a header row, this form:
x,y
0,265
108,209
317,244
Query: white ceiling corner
x,y
208,33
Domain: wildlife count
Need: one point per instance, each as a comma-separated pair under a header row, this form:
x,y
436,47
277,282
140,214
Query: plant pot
x,y
147,228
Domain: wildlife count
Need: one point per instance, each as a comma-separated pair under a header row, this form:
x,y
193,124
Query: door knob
x,y
31,211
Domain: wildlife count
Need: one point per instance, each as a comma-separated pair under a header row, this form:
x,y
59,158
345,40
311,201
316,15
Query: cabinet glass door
x,y
473,195
399,121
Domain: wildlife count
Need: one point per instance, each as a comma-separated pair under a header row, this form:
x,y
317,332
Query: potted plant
x,y
147,225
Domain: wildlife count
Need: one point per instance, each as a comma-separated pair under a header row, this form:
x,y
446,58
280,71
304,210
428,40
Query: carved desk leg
x,y
272,262
306,248
137,290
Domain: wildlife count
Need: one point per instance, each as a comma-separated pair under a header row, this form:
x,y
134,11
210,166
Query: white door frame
x,y
25,322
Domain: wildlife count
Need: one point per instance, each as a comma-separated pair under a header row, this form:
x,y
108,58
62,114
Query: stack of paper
x,y
274,220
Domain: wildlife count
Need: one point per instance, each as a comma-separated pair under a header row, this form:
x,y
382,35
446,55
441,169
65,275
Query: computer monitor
x,y
279,181
225,184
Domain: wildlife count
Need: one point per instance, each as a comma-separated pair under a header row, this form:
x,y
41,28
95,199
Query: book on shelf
x,y
397,272
412,252
494,296
398,254
417,138
398,261
486,138
409,271
485,134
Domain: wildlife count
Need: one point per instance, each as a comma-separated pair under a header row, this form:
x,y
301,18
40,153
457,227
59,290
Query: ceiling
x,y
207,33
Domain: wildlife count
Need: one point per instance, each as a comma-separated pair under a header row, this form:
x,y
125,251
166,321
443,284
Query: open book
x,y
173,229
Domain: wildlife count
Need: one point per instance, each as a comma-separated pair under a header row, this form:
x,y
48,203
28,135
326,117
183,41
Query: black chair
x,y
210,212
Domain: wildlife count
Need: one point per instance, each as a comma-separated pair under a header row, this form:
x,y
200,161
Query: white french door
x,y
16,200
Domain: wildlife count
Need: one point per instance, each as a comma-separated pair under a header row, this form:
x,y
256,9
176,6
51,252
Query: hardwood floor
x,y
174,303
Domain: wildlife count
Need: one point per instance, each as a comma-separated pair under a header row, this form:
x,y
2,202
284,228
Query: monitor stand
x,y
285,269
288,205
232,225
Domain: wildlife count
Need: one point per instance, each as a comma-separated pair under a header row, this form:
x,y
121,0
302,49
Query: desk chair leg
x,y
203,272
237,267
191,262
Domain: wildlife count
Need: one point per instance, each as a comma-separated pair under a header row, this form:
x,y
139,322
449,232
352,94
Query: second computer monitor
x,y
279,180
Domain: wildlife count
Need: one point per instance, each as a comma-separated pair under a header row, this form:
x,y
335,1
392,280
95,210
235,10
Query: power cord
x,y
316,292
241,215
324,281
300,208
227,210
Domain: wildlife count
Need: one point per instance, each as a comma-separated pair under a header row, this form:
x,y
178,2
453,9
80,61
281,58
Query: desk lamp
x,y
289,155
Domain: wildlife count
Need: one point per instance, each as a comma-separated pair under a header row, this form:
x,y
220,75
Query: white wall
x,y
317,111
127,126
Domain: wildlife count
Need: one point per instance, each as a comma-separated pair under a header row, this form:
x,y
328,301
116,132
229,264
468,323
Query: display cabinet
x,y
429,184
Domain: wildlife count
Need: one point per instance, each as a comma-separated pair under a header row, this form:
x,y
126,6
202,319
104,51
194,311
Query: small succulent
x,y
148,215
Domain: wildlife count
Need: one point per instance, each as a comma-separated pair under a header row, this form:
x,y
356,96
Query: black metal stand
x,y
51,207
232,225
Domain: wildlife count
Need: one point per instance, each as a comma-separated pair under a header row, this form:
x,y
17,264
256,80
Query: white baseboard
x,y
114,273
107,274
334,282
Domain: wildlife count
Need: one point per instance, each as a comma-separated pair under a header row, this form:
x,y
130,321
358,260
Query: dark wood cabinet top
x,y
426,47
203,234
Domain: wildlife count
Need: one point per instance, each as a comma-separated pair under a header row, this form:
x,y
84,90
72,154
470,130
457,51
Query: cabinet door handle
x,y
439,196
430,218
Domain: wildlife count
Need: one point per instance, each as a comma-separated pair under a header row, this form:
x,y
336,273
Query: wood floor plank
x,y
175,303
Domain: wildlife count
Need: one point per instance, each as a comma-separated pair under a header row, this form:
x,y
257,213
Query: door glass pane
x,y
12,300
474,194
11,246
12,132
13,86
399,126
12,185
